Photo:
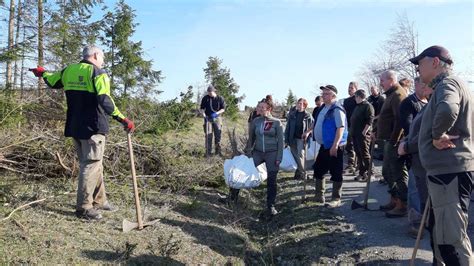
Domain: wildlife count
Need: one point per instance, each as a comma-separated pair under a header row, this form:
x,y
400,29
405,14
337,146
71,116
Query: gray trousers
x,y
297,150
213,127
450,196
90,187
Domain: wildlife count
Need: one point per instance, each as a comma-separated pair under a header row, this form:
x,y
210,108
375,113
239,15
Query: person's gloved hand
x,y
38,71
128,125
214,115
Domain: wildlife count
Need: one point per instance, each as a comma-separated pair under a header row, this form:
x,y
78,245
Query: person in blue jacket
x,y
330,130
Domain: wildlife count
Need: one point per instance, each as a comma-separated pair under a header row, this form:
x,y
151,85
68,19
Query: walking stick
x,y
304,169
420,231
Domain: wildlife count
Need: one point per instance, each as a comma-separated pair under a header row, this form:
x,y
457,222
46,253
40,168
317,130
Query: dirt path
x,y
383,239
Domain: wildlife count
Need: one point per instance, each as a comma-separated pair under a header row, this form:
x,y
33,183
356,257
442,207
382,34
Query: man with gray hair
x,y
390,131
446,148
87,89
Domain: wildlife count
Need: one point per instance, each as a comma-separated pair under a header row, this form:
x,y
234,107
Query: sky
x,y
271,47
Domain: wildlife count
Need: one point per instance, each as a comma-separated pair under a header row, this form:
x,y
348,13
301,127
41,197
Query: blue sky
x,y
273,46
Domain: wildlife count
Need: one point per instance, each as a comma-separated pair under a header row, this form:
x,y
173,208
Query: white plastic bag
x,y
240,172
313,150
288,163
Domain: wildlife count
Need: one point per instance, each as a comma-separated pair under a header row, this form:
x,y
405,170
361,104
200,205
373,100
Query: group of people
x,y
426,141
424,138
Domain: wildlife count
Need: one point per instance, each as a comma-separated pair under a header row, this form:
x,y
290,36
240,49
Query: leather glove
x,y
128,125
214,115
38,71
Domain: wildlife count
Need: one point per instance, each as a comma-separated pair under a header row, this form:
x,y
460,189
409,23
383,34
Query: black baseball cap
x,y
329,87
434,51
211,88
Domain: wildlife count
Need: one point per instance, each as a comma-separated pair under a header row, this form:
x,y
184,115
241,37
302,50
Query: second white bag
x,y
288,163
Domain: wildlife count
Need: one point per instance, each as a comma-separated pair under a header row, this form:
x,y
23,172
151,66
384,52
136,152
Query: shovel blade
x,y
128,226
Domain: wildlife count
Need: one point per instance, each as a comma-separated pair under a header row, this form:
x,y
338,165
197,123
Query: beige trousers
x,y
90,187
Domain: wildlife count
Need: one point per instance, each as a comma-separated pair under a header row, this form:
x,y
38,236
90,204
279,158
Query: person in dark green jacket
x,y
361,123
87,89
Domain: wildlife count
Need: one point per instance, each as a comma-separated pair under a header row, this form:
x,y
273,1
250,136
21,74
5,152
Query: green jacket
x,y
266,134
388,123
88,98
362,115
450,110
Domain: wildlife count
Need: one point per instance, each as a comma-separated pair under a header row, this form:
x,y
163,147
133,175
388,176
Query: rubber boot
x,y
320,188
388,206
400,209
336,195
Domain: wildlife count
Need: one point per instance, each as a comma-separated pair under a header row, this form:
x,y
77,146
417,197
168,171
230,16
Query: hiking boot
x,y
334,203
107,207
361,178
350,171
218,149
400,210
90,214
388,206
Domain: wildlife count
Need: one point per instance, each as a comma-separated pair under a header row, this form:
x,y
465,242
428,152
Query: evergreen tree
x,y
290,99
220,78
69,30
130,72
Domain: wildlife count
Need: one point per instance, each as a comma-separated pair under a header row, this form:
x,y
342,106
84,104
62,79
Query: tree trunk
x,y
112,57
22,83
40,43
17,44
11,26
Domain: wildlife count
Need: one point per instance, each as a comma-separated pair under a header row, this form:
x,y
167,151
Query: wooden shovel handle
x,y
420,231
135,186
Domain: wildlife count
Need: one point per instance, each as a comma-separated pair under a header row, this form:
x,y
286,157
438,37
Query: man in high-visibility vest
x,y
87,89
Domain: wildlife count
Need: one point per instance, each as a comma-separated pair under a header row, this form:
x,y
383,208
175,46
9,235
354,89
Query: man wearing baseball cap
x,y
212,106
330,130
446,148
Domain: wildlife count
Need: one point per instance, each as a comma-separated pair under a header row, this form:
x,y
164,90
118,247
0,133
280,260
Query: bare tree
x,y
393,54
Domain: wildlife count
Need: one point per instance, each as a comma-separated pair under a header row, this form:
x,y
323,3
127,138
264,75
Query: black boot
x,y
218,149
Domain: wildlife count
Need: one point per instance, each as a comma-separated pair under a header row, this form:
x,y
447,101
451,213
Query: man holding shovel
x,y
87,89
212,106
